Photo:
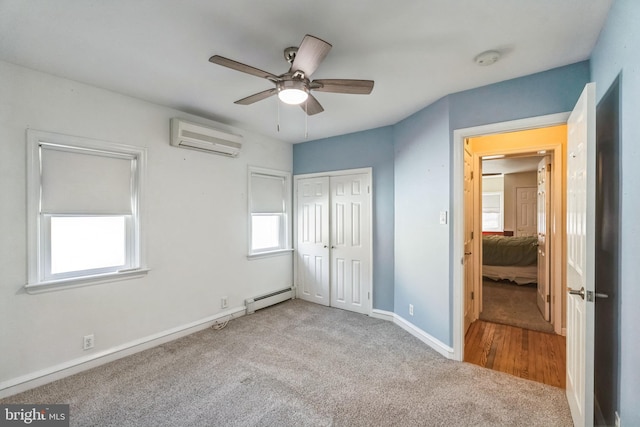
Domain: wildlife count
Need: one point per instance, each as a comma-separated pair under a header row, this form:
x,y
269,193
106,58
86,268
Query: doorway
x,y
515,270
509,256
333,243
556,147
607,275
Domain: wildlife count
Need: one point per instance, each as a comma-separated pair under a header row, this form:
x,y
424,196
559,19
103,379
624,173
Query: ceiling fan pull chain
x,y
306,120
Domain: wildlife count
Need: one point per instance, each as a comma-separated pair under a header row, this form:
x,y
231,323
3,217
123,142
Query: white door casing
x,y
526,202
350,242
544,185
333,245
312,244
458,220
581,189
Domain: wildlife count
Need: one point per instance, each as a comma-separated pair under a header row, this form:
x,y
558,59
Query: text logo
x,y
34,415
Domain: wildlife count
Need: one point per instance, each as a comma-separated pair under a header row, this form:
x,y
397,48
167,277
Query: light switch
x,y
443,217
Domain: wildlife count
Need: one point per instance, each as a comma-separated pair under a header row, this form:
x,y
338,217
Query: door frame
x,y
296,179
459,136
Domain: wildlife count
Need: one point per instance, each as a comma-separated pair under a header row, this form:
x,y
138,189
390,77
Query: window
x,y
83,211
269,211
492,211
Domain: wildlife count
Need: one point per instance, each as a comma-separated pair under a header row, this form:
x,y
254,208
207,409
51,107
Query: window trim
x,y
285,230
37,280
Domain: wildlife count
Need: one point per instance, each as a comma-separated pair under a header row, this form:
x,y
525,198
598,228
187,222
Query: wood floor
x,y
537,356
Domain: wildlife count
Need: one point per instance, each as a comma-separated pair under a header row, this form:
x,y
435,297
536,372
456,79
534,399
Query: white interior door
x,y
581,257
312,246
333,240
350,242
526,211
468,237
544,185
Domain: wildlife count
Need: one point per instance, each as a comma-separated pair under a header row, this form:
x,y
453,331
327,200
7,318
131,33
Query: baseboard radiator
x,y
262,301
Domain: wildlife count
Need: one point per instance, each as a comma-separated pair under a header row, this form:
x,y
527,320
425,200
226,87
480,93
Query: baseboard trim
x,y
429,340
71,367
382,314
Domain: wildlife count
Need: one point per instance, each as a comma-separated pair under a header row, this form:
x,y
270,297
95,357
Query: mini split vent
x,y
202,138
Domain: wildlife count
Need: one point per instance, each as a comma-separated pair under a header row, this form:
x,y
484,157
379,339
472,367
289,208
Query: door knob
x,y
574,292
325,246
467,253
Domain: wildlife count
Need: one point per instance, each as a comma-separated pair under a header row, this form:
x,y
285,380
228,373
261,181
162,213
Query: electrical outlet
x,y
410,309
87,342
224,302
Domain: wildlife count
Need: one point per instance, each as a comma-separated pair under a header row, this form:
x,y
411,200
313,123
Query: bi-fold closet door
x,y
333,240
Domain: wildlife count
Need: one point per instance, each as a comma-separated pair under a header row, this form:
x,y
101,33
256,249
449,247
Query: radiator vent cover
x,y
266,300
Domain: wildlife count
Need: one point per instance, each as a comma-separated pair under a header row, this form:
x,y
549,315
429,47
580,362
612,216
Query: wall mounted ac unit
x,y
199,137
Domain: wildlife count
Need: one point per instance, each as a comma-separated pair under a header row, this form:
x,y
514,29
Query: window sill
x,y
269,254
77,282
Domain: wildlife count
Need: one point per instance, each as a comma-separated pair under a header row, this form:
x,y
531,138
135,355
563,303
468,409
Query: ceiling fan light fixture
x,y
293,92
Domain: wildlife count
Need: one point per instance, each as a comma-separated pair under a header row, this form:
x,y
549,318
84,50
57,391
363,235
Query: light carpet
x,y
300,364
510,304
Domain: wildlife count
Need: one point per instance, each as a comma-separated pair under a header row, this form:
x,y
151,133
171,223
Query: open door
x,y
581,187
544,186
469,209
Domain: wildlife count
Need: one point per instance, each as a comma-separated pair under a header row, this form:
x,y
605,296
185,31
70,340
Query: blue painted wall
x,y
422,169
618,53
548,92
372,148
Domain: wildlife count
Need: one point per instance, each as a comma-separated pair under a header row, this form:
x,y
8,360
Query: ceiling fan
x,y
294,86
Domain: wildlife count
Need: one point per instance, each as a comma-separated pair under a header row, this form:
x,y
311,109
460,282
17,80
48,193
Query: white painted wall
x,y
195,222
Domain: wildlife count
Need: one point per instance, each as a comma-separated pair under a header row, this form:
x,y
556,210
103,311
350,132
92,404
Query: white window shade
x,y
79,181
268,193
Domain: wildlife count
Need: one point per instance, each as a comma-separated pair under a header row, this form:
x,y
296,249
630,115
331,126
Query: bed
x,y
511,258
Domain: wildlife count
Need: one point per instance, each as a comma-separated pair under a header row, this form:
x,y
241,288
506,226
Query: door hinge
x,y
368,295
471,174
549,167
472,295
472,235
368,189
548,298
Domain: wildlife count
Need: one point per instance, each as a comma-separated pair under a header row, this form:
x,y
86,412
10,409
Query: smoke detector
x,y
487,58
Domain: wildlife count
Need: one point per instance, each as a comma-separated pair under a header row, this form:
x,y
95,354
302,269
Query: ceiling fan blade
x,y
311,106
239,66
310,54
256,97
361,87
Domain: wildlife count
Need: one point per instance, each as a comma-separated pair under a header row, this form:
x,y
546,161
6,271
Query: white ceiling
x,y
416,51
509,165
